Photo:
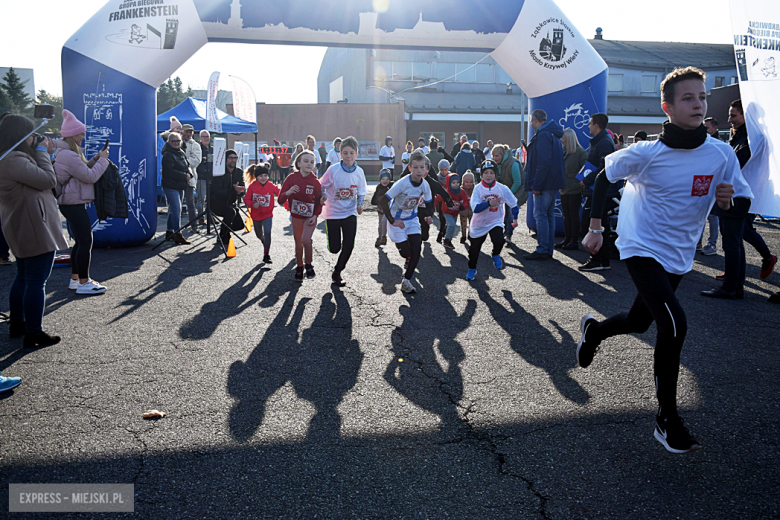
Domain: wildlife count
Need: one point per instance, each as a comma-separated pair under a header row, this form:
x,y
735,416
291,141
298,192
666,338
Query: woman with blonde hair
x,y
574,159
77,176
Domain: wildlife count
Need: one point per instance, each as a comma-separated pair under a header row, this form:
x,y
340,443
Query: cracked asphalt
x,y
290,400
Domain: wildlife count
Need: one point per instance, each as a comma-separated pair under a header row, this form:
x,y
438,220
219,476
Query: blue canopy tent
x,y
193,111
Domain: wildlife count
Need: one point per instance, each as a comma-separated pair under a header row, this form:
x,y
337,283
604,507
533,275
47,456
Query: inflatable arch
x,y
113,64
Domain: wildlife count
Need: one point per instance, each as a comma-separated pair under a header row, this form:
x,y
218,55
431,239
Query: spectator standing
x,y
334,156
175,179
407,153
488,151
544,178
421,146
204,173
311,142
574,159
479,155
31,225
194,154
297,152
323,157
464,160
455,149
225,191
510,174
77,176
436,154
387,155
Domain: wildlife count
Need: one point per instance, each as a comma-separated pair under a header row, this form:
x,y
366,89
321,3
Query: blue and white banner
x,y
756,28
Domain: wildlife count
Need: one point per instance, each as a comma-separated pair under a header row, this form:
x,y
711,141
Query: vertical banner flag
x,y
246,161
244,106
238,146
218,168
213,124
756,28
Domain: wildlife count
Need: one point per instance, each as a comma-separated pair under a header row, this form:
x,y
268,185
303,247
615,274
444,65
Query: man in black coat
x,y
224,193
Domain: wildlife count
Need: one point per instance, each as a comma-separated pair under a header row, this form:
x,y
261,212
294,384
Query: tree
x,y
5,102
14,88
44,98
171,94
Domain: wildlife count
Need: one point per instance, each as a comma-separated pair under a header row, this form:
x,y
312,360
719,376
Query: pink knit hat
x,y
175,123
70,125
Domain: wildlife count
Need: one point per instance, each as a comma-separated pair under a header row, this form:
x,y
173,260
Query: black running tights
x,y
496,236
657,302
341,237
411,249
80,226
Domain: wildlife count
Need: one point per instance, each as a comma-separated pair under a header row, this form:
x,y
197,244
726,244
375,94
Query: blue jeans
x,y
452,226
544,215
28,292
174,208
712,220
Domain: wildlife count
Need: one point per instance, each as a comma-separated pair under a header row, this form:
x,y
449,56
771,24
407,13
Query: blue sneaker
x,y
471,274
498,262
9,383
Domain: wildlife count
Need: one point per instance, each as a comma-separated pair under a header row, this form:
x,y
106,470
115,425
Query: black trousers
x,y
496,236
411,248
81,228
606,248
231,218
341,238
655,302
570,206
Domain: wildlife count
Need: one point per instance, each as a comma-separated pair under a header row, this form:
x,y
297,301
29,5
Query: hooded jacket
x,y
77,179
545,159
464,161
175,168
460,200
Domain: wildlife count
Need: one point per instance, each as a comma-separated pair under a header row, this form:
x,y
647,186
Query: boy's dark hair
x,y
711,120
336,141
12,128
641,135
465,146
433,143
669,83
417,155
737,103
600,119
350,142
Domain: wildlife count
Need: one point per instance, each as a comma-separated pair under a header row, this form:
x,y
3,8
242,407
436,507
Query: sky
x,y
33,35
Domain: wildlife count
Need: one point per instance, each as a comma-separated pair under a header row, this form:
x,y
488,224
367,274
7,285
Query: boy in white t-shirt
x,y
343,194
672,185
334,156
400,206
387,154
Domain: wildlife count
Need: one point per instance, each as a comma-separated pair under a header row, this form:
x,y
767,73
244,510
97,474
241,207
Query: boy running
x,y
672,185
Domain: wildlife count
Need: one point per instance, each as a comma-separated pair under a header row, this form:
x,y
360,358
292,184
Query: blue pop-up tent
x,y
193,111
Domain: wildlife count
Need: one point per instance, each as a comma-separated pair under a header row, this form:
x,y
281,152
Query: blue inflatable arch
x,y
112,66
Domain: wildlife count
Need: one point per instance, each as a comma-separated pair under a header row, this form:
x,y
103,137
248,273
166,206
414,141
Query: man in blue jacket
x,y
544,177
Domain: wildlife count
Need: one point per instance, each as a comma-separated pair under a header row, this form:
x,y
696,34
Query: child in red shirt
x,y
303,191
460,202
259,199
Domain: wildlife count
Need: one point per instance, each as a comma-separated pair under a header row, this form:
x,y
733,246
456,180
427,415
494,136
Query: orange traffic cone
x,y
249,225
231,252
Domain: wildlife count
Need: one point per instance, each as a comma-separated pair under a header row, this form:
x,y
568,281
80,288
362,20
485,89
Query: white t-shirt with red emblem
x,y
343,189
487,219
668,196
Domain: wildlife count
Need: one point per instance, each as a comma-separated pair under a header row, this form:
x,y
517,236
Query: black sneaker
x,y
337,281
594,265
299,274
39,339
586,349
309,271
439,237
267,259
672,433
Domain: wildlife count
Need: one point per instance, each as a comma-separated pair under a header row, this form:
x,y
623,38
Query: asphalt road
x,y
290,400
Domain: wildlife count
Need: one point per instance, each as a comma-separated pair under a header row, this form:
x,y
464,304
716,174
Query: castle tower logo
x,y
552,50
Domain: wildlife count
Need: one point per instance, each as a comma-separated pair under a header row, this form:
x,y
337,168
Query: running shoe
x,y
337,280
586,349
709,250
299,274
5,261
309,271
498,262
767,266
267,259
73,284
471,274
672,433
594,265
448,244
407,287
9,383
90,287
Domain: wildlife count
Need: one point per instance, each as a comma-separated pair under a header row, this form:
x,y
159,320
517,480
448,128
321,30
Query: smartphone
x,y
43,112
105,146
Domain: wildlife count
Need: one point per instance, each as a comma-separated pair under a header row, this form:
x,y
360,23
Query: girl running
x,y
259,199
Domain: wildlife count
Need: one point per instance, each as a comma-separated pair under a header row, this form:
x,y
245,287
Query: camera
x,y
43,112
38,138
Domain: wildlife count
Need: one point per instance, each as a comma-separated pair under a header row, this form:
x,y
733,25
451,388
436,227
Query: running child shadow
x,y
536,345
388,273
321,364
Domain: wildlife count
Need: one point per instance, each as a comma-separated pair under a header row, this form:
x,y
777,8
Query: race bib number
x,y
303,209
701,185
346,193
264,200
410,203
309,189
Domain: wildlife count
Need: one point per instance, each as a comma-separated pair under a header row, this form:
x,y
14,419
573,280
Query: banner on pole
x,y
218,168
756,28
213,124
244,105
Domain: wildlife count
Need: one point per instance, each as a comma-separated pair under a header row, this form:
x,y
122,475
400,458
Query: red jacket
x,y
461,200
305,203
263,193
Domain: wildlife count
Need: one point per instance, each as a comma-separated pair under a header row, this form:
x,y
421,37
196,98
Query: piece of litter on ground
x,y
154,414
400,360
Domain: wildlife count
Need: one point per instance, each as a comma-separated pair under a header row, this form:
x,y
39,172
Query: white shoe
x,y
91,287
73,284
407,287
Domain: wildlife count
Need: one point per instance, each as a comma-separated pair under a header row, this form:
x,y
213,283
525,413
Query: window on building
x,y
485,73
615,83
734,80
421,71
502,77
648,83
383,70
466,73
445,70
402,70
719,81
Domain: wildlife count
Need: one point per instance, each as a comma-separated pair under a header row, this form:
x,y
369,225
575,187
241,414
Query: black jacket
x,y
204,168
380,192
739,142
175,168
601,145
222,191
110,195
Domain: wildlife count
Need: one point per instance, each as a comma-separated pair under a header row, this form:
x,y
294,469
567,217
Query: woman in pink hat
x,y
77,177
